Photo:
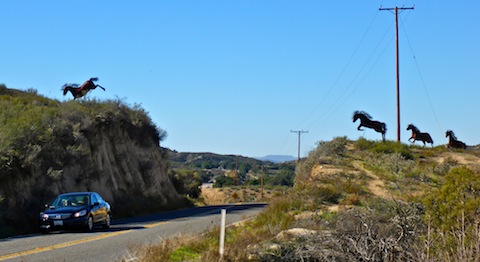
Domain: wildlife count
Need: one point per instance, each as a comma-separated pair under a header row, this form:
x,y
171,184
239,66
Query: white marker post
x,y
222,233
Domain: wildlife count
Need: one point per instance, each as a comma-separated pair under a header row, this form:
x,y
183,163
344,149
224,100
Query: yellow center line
x,y
72,243
154,224
67,244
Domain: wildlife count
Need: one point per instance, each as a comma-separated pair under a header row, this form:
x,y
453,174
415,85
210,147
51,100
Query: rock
x,y
294,233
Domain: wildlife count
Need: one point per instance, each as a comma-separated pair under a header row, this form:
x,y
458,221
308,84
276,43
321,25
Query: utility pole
x,y
261,181
397,61
236,173
299,132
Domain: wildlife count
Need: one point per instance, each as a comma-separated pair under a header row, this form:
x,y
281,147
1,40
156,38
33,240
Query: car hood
x,y
64,210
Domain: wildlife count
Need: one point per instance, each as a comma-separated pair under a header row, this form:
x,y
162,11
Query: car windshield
x,y
70,200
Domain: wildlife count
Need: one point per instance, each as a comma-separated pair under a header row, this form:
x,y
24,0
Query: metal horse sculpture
x,y
79,91
417,135
453,142
366,121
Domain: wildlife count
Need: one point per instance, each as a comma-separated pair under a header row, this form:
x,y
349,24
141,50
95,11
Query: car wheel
x,y
89,225
44,231
107,221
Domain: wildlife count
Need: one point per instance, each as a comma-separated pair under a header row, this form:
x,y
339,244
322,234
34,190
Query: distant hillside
x,y
211,159
49,147
277,158
228,170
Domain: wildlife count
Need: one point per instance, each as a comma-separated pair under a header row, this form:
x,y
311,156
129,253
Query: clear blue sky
x,y
235,77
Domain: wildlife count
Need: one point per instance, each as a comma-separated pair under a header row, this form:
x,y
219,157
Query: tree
x,y
457,200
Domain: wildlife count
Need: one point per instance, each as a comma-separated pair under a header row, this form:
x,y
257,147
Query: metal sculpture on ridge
x,y
453,142
366,121
419,136
80,91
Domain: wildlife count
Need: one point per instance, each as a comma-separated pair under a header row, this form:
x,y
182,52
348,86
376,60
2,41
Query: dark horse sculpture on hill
x,y
366,121
79,91
417,135
453,142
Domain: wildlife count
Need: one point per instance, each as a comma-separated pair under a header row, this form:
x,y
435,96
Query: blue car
x,y
80,210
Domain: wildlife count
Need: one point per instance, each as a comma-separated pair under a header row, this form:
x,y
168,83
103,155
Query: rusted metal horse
x,y
453,142
79,91
417,135
366,121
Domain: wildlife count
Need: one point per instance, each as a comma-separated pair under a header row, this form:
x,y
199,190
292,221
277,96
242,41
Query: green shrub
x,y
278,214
364,144
456,202
326,152
390,147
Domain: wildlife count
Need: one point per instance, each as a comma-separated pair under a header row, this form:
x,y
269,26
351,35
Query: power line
x,y
323,99
344,96
422,79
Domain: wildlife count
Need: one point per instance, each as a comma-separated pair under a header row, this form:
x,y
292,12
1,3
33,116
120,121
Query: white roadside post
x,y
222,233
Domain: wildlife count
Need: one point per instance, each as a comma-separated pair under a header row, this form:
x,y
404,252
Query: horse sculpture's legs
x,y
100,87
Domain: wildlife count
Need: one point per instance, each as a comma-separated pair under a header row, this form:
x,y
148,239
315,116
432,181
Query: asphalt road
x,y
123,238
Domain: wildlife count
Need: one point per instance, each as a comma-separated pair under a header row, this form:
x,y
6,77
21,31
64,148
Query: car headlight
x,y
80,213
43,216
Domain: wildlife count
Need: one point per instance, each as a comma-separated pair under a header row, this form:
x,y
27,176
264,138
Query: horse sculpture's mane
x,y
362,113
414,128
450,132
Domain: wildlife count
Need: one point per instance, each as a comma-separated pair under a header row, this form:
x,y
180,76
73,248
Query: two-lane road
x,y
123,238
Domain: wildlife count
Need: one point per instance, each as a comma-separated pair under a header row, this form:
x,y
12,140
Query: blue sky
x,y
235,77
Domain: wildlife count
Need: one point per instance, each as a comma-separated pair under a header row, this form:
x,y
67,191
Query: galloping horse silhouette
x,y
417,135
366,121
453,142
80,91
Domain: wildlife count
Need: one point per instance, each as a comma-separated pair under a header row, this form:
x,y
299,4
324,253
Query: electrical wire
x,y
341,72
422,79
339,102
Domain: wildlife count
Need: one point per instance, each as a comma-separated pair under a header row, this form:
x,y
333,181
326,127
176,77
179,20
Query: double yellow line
x,y
71,243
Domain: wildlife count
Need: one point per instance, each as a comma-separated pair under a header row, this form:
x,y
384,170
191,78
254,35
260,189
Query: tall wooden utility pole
x,y
397,61
299,132
261,181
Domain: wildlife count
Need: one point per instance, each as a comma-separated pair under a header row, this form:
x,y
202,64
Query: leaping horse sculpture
x,y
453,142
417,135
366,121
79,91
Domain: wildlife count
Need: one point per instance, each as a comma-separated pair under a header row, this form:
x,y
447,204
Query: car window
x,y
93,199
70,200
80,200
99,198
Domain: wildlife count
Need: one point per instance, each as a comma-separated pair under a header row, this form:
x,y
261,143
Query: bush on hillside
x,y
387,147
326,152
458,200
186,182
452,215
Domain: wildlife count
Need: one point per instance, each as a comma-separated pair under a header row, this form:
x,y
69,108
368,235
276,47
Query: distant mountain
x,y
277,158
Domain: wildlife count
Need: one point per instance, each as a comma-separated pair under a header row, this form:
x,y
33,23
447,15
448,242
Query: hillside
x,y
49,147
361,201
210,160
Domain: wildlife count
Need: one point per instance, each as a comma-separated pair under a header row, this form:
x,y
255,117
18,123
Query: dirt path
x,y
375,184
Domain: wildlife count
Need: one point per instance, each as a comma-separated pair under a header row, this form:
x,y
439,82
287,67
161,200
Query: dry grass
x,y
365,207
218,196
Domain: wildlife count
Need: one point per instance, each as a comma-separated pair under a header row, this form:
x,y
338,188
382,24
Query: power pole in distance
x,y
398,61
299,132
